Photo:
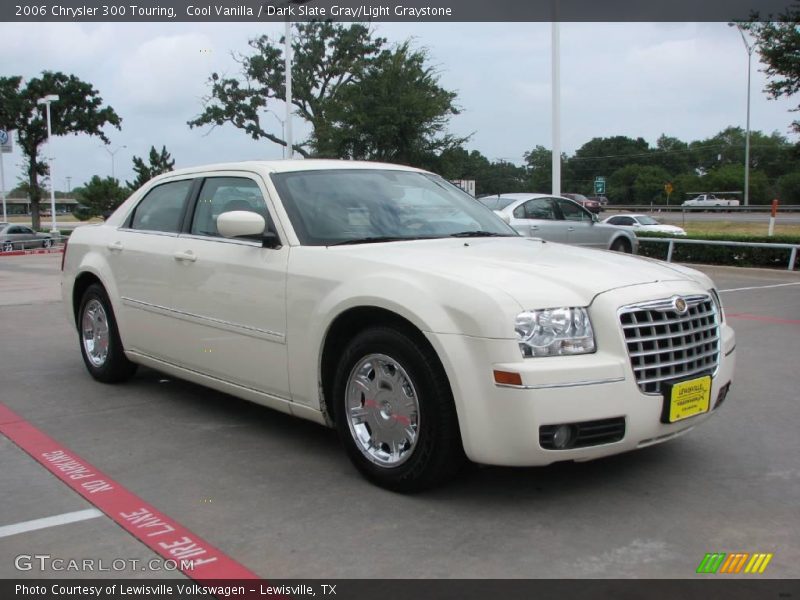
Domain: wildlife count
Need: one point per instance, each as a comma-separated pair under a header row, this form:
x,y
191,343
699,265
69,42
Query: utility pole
x,y
556,89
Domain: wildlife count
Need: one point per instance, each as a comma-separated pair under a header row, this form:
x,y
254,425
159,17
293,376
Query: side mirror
x,y
636,225
503,216
595,218
240,223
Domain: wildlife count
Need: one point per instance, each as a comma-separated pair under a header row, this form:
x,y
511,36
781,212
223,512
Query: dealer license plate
x,y
687,399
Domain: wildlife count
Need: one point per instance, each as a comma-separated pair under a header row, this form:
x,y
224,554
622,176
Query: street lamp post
x,y
288,74
749,47
46,101
112,154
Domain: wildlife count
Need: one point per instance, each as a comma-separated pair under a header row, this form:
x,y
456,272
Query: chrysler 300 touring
x,y
385,302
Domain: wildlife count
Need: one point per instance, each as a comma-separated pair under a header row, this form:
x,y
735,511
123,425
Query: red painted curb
x,y
37,251
163,535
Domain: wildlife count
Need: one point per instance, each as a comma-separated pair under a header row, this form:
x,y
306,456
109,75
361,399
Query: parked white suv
x,y
385,302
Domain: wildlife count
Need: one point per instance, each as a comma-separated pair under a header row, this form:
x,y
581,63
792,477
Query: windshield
x,y
339,206
648,221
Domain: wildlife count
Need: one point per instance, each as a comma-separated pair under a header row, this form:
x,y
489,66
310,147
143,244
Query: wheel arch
x,y
343,328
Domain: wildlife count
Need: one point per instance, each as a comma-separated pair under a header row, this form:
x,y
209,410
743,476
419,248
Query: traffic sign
x,y
5,142
599,185
668,188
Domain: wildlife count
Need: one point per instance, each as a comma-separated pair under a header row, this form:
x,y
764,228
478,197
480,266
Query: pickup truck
x,y
709,201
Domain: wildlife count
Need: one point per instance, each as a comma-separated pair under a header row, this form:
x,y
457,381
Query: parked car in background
x,y
709,201
19,237
383,301
558,219
643,223
587,203
601,199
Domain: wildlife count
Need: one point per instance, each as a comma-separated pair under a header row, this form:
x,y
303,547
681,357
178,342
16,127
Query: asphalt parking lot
x,y
278,496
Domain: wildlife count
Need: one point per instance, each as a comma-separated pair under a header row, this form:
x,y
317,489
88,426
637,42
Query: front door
x,y
229,295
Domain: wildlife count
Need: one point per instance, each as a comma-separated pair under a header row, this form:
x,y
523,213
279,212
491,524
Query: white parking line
x,y
62,519
759,287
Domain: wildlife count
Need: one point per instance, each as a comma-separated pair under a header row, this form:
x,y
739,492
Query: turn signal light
x,y
507,378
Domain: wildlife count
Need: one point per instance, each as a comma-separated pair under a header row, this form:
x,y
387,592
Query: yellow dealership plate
x,y
687,399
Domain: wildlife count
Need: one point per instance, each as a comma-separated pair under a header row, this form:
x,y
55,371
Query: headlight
x,y
554,332
718,302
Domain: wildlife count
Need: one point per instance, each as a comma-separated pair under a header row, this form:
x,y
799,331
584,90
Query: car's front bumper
x,y
501,424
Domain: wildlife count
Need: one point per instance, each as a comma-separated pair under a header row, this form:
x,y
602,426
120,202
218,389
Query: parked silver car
x,y
558,219
19,237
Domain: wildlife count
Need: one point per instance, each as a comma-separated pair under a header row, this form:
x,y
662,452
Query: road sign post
x,y
668,189
5,148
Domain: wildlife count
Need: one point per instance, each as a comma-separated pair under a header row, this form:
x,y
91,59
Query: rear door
x,y
538,218
141,257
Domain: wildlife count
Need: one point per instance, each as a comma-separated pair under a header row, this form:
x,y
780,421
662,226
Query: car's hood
x,y
529,270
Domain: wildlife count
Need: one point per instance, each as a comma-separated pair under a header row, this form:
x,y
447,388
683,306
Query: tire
x,y
8,246
47,243
103,354
621,245
412,409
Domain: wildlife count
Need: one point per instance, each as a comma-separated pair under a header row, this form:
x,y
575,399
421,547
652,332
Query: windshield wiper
x,y
479,233
374,240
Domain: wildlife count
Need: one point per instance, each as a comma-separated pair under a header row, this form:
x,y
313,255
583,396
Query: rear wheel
x,y
47,243
395,413
621,245
8,246
101,346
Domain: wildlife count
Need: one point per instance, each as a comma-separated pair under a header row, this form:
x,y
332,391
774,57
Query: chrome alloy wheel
x,y
382,410
94,332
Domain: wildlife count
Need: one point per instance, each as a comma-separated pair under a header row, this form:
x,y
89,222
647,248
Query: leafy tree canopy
x,y
159,162
79,110
778,42
101,195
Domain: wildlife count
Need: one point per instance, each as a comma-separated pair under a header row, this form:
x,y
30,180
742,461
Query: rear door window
x,y
162,208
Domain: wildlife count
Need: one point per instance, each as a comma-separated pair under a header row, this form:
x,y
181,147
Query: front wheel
x,y
395,413
101,346
47,243
621,245
8,246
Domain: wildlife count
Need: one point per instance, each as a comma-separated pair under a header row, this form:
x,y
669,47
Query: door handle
x,y
534,228
570,229
115,246
187,255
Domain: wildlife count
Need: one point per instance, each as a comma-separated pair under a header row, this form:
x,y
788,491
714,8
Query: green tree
x,y
79,110
540,169
729,178
638,184
396,112
159,162
101,195
778,42
789,188
602,157
327,58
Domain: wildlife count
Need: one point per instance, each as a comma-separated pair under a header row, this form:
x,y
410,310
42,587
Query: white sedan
x,y
637,223
384,302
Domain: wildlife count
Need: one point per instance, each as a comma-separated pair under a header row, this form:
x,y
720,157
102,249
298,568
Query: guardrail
x,y
765,208
672,241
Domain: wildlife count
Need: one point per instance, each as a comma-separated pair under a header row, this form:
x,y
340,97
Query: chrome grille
x,y
665,345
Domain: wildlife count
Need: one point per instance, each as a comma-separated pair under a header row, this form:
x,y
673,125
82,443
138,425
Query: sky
x,y
687,80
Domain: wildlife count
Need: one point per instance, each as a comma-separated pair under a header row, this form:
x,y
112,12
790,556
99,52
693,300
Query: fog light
x,y
563,437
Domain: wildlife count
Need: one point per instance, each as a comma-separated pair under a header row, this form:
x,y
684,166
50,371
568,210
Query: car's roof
x,y
286,166
628,215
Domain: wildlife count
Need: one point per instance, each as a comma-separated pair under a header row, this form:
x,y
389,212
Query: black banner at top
x,y
389,10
